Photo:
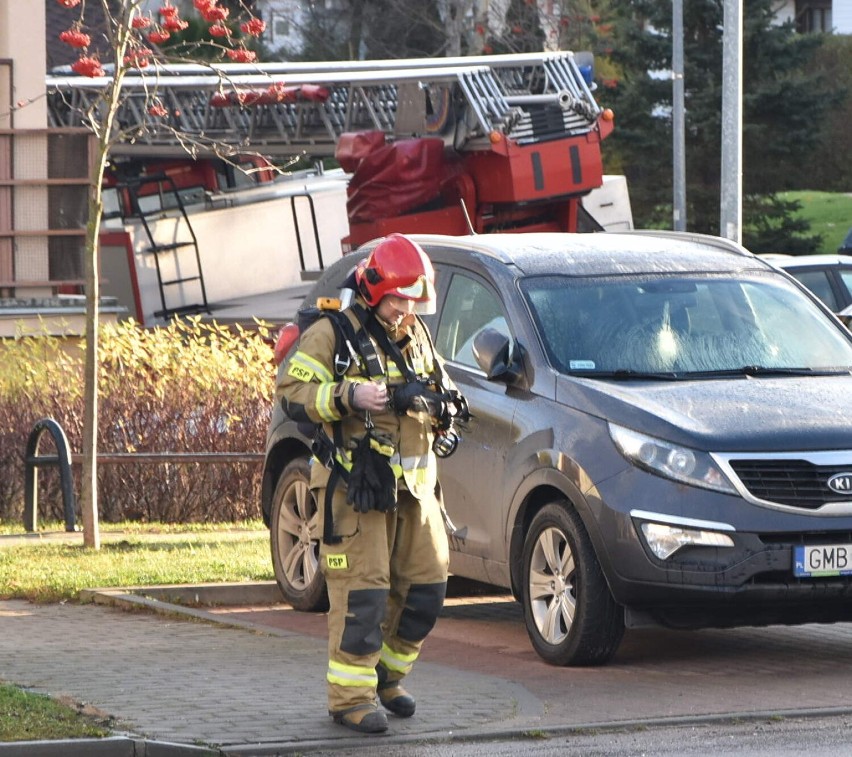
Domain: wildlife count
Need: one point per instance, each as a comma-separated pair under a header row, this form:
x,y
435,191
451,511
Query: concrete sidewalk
x,y
185,676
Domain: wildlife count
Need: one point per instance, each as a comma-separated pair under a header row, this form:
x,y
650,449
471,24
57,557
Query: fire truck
x,y
502,143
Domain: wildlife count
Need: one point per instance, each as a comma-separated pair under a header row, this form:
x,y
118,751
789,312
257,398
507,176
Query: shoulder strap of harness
x,y
349,345
344,349
367,320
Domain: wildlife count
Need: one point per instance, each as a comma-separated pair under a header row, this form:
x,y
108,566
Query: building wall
x,y
285,20
22,43
44,177
785,11
841,16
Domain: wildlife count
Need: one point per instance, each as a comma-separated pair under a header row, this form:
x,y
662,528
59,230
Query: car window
x,y
694,323
846,278
818,283
469,307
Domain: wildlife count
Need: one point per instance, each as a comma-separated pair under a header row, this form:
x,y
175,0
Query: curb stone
x,y
112,746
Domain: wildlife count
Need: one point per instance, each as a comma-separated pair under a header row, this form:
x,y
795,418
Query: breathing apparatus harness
x,y
371,482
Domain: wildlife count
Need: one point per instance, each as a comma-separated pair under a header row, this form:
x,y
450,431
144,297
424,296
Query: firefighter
x,y
384,552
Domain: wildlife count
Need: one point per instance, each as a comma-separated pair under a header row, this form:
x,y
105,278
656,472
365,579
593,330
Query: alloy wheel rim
x,y
297,529
552,592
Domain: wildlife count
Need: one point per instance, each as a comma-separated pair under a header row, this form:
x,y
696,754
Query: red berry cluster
x,y
87,65
170,22
158,28
157,109
75,38
138,57
241,55
216,15
254,27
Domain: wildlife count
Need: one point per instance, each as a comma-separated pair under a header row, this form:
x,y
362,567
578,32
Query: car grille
x,y
795,483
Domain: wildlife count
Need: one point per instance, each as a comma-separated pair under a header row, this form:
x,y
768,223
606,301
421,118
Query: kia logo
x,y
841,483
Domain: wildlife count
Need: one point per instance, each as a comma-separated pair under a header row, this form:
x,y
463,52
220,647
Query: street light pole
x,y
678,125
731,205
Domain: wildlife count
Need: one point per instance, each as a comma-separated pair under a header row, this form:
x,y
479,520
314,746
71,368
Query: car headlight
x,y
672,461
664,539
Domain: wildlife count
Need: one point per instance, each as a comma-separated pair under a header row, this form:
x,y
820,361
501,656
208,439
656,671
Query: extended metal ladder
x,y
174,273
288,109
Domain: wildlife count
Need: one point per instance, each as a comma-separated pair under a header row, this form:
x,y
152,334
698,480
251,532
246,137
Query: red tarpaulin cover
x,y
389,179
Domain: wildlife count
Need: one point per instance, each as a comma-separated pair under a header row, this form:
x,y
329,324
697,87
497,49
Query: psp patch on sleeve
x,y
300,372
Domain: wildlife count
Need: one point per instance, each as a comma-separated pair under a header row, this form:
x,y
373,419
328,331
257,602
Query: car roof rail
x,y
693,236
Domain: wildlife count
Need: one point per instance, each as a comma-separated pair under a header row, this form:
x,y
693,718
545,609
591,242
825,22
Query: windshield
x,y
683,324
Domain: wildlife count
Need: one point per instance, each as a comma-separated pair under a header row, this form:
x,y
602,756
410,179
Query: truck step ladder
x,y
175,268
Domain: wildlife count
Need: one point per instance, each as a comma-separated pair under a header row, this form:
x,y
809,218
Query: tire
x,y
294,539
569,612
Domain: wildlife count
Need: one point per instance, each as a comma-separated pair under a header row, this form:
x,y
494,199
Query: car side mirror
x,y
492,351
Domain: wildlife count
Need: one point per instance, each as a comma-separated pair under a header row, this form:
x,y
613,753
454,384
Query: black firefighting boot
x,y
364,718
392,696
396,699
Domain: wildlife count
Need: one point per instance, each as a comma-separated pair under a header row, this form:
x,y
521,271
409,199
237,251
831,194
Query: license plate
x,y
827,560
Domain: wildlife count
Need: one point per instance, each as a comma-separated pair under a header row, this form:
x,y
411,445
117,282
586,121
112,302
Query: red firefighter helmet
x,y
397,266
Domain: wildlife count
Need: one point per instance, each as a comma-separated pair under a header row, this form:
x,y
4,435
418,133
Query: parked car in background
x,y
652,443
846,245
829,277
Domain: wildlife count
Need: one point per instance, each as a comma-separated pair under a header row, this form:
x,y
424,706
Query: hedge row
x,y
191,387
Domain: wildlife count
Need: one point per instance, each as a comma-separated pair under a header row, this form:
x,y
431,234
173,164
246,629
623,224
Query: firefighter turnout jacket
x,y
310,391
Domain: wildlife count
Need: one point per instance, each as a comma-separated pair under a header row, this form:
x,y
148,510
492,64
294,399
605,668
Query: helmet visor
x,y
421,291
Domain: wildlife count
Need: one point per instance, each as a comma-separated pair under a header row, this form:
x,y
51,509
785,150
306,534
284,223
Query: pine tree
x,y
784,101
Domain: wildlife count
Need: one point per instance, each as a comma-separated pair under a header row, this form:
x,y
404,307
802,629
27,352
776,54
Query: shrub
x,y
190,387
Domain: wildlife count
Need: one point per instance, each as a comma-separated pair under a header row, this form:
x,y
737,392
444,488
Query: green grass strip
x,y
25,716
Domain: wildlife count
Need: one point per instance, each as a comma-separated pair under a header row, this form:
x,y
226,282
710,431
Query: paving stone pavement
x,y
225,665
182,680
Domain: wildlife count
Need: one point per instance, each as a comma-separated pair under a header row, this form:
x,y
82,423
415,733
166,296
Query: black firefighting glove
x,y
444,408
372,483
416,396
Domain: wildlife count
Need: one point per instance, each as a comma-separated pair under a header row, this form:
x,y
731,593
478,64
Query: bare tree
x,y
134,41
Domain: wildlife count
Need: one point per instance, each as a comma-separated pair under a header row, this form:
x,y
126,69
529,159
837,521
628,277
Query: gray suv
x,y
660,436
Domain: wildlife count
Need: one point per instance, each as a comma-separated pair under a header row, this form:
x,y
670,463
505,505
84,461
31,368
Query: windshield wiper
x,y
763,370
628,374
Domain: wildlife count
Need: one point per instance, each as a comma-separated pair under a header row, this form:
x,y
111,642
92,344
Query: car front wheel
x,y
294,535
570,614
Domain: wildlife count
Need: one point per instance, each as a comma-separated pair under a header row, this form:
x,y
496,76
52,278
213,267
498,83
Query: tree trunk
x,y
102,125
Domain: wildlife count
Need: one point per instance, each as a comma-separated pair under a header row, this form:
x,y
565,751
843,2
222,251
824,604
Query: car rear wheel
x,y
294,535
570,614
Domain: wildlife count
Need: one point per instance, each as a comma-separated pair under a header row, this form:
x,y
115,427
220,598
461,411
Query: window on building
x,y
813,16
280,26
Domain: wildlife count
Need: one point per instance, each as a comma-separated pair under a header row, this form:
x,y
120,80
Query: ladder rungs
x,y
167,247
199,308
182,281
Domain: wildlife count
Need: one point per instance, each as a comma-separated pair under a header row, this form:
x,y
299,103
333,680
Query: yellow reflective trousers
x,y
387,579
